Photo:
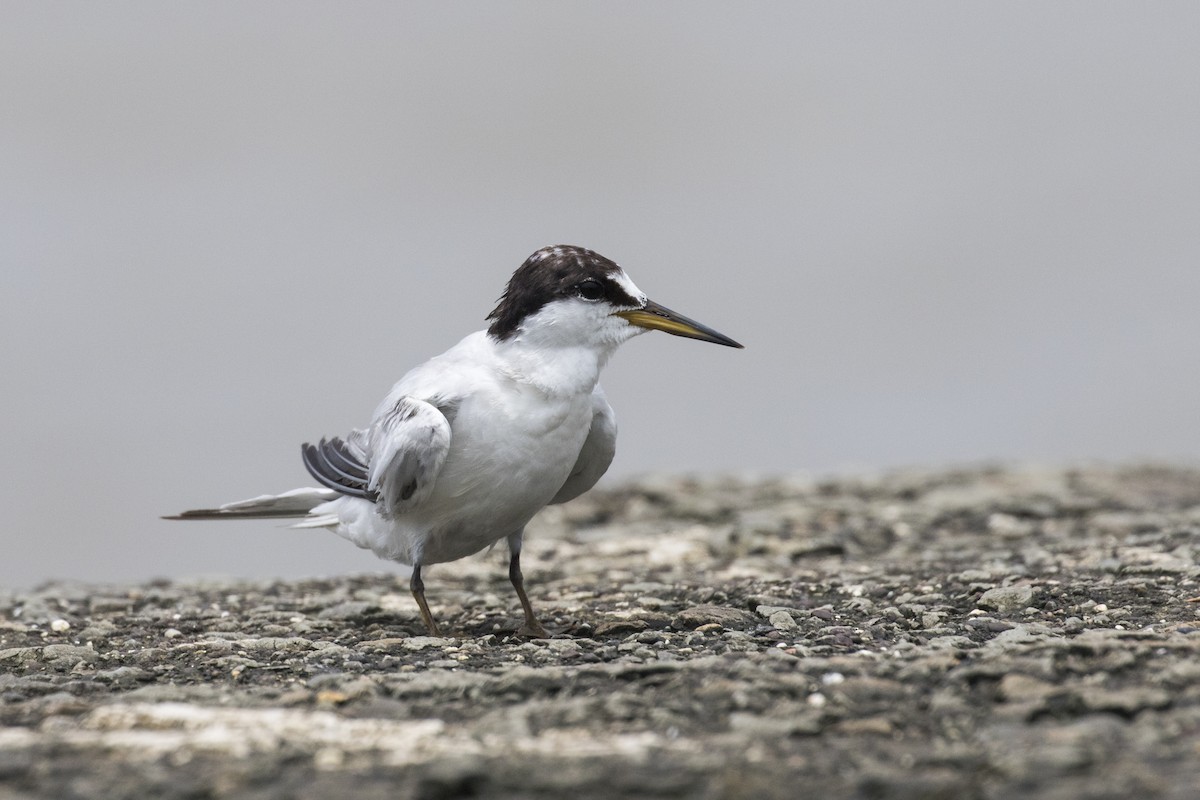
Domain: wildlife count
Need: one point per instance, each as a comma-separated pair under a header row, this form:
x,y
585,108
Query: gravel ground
x,y
983,633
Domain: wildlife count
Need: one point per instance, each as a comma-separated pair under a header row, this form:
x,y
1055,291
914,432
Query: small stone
x,y
60,626
767,611
382,645
69,653
1006,599
20,655
619,627
97,630
424,642
973,576
783,621
989,624
283,644
564,648
697,616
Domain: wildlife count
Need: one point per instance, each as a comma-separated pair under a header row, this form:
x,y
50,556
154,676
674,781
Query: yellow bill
x,y
661,318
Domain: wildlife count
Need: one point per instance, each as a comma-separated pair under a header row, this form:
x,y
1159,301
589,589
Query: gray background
x,y
946,233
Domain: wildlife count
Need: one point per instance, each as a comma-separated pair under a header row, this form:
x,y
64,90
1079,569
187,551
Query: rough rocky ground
x,y
968,634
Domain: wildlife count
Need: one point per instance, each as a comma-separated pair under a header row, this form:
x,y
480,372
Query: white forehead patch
x,y
631,289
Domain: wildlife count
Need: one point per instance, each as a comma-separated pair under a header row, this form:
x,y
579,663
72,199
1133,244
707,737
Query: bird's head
x,y
570,296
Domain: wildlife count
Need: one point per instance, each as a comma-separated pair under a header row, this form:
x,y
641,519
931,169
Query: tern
x,y
470,445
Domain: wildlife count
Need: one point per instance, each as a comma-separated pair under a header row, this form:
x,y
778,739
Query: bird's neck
x,y
559,371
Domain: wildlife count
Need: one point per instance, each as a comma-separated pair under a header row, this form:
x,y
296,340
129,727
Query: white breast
x,y
509,456
513,445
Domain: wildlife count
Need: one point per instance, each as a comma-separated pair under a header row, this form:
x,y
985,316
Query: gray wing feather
x,y
296,503
597,451
407,445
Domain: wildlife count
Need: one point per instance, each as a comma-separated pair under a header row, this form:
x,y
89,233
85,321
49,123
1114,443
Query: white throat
x,y
562,347
553,370
560,352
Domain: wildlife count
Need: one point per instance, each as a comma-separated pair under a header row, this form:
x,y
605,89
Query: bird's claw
x,y
532,630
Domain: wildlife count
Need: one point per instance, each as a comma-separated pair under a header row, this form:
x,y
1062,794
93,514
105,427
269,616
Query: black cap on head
x,y
552,273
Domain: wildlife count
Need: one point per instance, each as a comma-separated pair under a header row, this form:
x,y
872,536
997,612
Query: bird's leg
x,y
532,627
418,591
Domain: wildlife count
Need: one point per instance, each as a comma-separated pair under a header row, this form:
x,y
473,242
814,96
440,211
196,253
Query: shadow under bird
x,y
470,445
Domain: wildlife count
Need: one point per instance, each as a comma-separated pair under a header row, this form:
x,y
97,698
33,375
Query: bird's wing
x,y
597,451
338,465
394,463
407,444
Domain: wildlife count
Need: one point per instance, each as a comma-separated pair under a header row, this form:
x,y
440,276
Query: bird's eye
x,y
591,289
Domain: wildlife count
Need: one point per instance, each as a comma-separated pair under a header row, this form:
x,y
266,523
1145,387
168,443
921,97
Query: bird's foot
x,y
532,629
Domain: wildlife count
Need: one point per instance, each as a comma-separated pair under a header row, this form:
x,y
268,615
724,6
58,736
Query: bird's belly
x,y
501,470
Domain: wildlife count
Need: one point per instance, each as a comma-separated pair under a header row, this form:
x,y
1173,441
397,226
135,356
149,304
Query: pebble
x,y
703,615
426,642
1006,599
783,621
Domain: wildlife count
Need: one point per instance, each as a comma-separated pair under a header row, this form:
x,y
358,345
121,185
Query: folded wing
x,y
394,464
597,451
335,465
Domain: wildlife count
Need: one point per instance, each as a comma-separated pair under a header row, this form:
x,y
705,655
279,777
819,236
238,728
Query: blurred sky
x,y
946,233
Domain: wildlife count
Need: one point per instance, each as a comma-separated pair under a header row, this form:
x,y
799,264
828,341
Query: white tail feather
x,y
296,501
319,521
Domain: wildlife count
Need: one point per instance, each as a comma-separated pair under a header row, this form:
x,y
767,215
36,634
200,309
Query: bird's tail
x,y
296,503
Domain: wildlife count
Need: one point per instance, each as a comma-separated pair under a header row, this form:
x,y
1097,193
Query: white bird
x,y
470,445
